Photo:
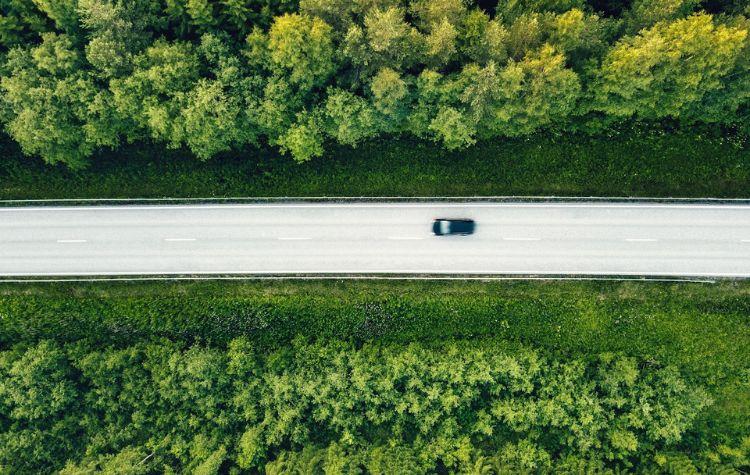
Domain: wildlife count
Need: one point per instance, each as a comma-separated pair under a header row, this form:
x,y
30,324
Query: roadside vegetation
x,y
560,377
218,76
628,163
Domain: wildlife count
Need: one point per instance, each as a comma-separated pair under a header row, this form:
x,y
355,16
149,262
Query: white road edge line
x,y
513,272
745,240
294,238
521,239
70,240
178,239
640,240
375,205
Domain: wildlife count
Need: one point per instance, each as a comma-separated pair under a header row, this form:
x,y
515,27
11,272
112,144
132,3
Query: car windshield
x,y
445,227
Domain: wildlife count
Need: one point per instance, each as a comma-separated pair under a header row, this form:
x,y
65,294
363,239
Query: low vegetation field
x,y
626,164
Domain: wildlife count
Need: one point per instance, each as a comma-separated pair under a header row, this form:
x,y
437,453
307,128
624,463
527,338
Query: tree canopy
x,y
215,76
463,407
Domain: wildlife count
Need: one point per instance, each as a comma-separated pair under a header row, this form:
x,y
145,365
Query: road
x,y
377,238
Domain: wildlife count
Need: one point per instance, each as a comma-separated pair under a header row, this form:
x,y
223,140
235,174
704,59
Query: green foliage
x,y
156,93
385,40
301,50
304,139
20,22
117,32
668,70
351,119
333,407
483,40
646,13
50,101
629,163
142,71
62,12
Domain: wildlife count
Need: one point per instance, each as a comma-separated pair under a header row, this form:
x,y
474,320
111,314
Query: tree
x,y
117,32
524,34
453,128
62,12
20,22
441,44
669,69
387,41
53,105
304,138
582,37
156,93
216,115
522,97
301,50
431,13
483,40
350,118
391,98
39,400
646,13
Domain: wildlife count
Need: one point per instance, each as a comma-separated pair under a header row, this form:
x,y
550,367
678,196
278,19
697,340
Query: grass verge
x,y
626,164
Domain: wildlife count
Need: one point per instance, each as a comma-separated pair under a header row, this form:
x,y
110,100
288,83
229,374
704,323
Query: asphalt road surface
x,y
377,238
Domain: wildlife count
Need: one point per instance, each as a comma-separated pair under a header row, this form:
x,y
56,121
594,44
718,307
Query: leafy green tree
x,y
39,399
391,98
432,13
523,97
669,69
54,108
216,117
646,13
20,22
62,12
350,118
453,128
212,120
301,49
304,138
342,14
386,41
117,32
730,103
525,34
482,40
582,37
202,15
441,44
156,93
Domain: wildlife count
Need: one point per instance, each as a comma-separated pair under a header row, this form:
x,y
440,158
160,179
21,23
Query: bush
x,y
630,163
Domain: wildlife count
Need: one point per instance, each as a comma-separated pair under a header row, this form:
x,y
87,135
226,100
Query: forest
x,y
336,409
212,76
374,378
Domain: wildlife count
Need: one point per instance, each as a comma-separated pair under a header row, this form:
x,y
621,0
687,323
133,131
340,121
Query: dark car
x,y
447,227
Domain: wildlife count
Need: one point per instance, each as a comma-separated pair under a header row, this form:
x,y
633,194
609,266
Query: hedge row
x,y
629,163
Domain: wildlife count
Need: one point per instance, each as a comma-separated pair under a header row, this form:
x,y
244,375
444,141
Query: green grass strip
x,y
627,164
